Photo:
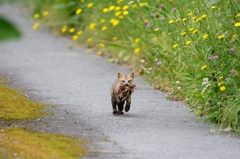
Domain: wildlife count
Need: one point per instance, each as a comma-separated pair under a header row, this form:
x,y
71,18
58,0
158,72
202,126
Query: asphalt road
x,y
78,84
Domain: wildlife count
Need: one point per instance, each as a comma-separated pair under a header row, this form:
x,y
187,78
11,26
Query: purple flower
x,y
147,24
215,57
149,69
232,51
227,79
159,63
210,58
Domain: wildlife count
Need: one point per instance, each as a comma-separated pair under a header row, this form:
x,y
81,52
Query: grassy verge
x,y
23,143
189,48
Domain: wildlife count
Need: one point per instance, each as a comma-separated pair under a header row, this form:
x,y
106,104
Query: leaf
x,y
211,2
7,30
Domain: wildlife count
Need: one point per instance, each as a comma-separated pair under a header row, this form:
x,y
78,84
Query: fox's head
x,y
125,79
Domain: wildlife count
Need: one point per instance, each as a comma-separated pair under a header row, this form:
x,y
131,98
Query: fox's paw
x,y
115,111
120,112
127,108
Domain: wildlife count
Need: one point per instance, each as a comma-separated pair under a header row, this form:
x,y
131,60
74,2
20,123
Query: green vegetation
x,y
22,143
189,48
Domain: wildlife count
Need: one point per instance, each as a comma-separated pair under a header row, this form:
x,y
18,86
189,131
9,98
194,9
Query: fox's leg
x,y
127,107
120,107
114,104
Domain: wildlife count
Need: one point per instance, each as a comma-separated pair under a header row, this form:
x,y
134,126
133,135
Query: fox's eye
x,y
123,81
129,81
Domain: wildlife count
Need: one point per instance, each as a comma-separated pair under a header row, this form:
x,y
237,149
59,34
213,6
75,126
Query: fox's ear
x,y
120,75
131,74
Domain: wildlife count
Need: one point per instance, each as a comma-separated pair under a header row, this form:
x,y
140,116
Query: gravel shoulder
x,y
77,83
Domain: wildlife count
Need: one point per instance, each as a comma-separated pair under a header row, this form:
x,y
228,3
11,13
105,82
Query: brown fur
x,y
117,101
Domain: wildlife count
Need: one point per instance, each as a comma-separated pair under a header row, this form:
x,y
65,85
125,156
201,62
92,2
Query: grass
x,y
24,143
189,48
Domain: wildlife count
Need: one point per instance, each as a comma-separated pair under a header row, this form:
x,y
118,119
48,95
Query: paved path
x,y
78,84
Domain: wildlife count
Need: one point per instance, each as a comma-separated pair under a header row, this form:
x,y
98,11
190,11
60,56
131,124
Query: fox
x,y
118,100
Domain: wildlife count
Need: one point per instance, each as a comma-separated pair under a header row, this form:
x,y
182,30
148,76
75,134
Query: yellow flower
x,y
137,50
105,10
223,88
143,4
203,16
114,22
101,44
220,83
237,24
125,7
90,5
102,20
99,53
64,29
117,8
194,31
118,13
188,42
205,36
104,28
177,20
71,30
89,40
156,29
111,8
137,40
189,14
234,36
198,19
184,19
120,1
171,21
75,37
79,32
191,29
183,33
221,36
114,38
175,45
35,26
194,18
92,26
121,16
203,67
78,11
238,15
134,6
125,12
82,0
36,16
45,13
221,77
213,7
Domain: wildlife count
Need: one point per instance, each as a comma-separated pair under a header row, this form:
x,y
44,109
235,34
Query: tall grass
x,y
189,48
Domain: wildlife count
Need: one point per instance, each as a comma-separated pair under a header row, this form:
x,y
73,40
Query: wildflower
x,y
134,6
114,38
171,21
210,58
188,42
102,20
221,37
194,31
174,10
137,40
238,15
75,37
78,11
220,83
147,24
82,0
227,79
137,50
232,51
64,29
125,7
45,13
156,29
104,28
175,45
71,30
143,4
162,18
36,16
111,8
233,72
115,22
105,10
203,16
99,53
150,69
178,87
221,77
125,13
177,82
189,14
35,26
203,67
215,57
237,24
89,40
177,20
234,36
118,13
183,33
213,7
142,61
198,19
101,45
223,88
191,29
159,63
92,26
90,5
79,33
205,36
194,18
184,19
117,8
